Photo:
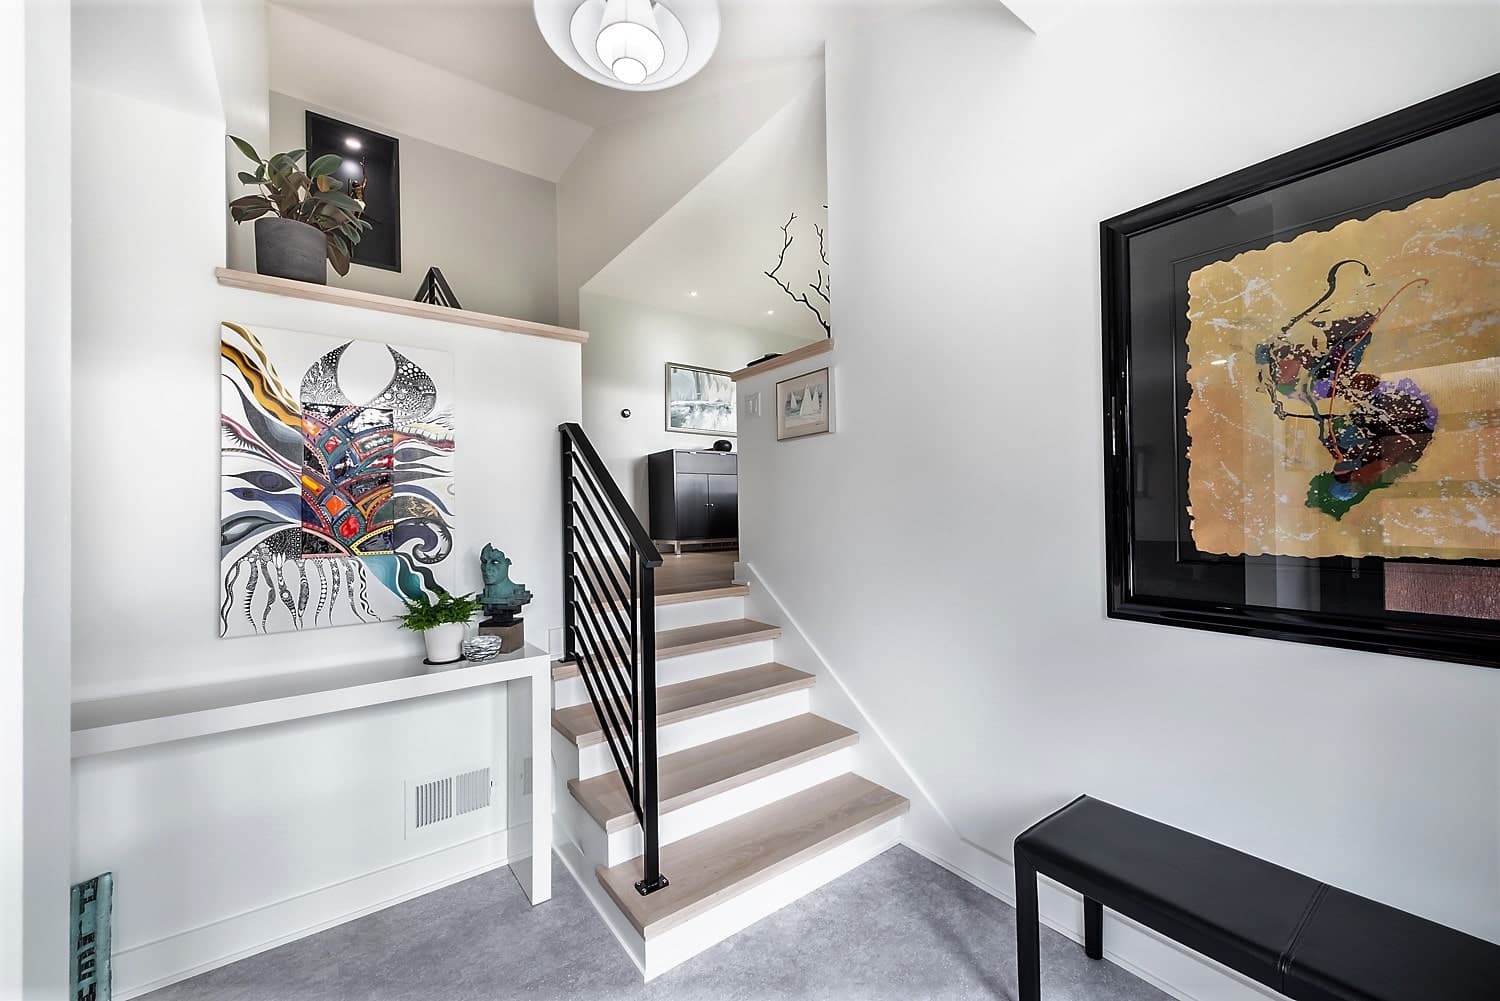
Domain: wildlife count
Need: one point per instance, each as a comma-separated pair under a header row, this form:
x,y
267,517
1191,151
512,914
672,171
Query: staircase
x,y
756,802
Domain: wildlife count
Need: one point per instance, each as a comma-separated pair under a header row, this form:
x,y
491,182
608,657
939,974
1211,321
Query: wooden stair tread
x,y
694,639
689,699
703,594
697,594
724,861
696,773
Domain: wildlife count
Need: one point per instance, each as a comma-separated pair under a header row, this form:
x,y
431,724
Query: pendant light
x,y
628,44
631,44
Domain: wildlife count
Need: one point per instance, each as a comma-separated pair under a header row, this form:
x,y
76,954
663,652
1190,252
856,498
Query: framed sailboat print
x,y
804,405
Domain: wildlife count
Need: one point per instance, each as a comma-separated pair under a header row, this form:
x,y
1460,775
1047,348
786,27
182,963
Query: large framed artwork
x,y
700,400
1302,392
336,468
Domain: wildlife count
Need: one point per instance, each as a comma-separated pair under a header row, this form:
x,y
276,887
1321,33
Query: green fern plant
x,y
314,196
425,614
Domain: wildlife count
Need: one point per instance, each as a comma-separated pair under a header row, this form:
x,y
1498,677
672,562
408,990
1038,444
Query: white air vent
x,y
436,800
433,803
471,791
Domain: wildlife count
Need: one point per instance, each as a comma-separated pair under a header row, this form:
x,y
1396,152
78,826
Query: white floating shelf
x,y
390,304
104,725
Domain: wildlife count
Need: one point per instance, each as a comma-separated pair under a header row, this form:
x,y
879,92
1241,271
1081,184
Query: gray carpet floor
x,y
898,928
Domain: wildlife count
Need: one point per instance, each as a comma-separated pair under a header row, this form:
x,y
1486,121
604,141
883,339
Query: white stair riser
x,y
674,947
581,829
573,692
699,613
564,759
689,820
596,759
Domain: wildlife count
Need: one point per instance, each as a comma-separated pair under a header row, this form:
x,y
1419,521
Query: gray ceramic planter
x,y
286,248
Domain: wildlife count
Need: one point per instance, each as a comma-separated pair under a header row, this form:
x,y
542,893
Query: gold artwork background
x,y
1248,471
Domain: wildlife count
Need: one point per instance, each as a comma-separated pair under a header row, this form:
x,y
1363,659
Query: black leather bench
x,y
1303,938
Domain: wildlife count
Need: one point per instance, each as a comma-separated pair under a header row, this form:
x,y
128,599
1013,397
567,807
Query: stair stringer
x,y
928,831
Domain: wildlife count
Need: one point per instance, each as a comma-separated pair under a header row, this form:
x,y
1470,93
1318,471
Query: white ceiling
x,y
720,238
496,43
392,91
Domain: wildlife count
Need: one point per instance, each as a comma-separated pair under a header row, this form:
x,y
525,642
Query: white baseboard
x,y
143,968
1164,964
1161,962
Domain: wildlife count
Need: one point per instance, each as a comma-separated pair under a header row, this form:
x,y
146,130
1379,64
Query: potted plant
x,y
442,624
301,218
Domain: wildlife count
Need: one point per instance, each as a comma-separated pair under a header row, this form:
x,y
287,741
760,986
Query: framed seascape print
x,y
804,405
1302,392
700,401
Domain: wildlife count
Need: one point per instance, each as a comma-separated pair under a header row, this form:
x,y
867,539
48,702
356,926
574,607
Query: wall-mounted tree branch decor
x,y
820,303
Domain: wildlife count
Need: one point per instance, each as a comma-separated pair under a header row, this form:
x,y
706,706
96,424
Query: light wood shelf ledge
x,y
790,358
390,304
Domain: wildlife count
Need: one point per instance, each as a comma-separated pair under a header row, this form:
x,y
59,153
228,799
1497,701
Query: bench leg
x,y
1093,929
1028,933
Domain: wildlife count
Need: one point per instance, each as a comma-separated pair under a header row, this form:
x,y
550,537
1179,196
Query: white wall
x,y
392,91
223,846
962,599
12,618
624,366
238,34
34,634
147,327
630,173
725,234
492,230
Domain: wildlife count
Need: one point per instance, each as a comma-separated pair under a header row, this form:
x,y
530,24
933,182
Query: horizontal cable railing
x,y
609,626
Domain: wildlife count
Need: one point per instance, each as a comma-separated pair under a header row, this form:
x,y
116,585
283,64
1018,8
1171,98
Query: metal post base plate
x,y
643,887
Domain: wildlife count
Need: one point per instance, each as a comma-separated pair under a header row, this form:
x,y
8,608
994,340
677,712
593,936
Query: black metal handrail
x,y
609,626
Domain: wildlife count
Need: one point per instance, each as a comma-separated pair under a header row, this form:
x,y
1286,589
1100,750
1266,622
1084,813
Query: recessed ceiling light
x,y
692,295
353,143
770,312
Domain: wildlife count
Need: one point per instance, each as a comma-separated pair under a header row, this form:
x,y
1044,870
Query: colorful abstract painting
x,y
1346,389
337,479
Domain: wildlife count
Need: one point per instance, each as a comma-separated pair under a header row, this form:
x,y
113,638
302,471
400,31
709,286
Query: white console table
x,y
105,726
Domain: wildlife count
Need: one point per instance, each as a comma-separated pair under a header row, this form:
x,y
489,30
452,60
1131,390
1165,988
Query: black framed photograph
x,y
1302,392
700,401
372,169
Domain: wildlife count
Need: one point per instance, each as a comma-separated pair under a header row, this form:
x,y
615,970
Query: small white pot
x,y
445,643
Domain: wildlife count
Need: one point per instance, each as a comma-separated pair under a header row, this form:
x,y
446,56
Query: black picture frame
x,y
1438,146
380,247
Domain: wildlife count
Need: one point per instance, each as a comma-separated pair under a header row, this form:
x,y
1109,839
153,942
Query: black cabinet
x,y
694,495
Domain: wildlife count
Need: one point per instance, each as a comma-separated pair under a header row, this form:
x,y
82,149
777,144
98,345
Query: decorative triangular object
x,y
435,289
